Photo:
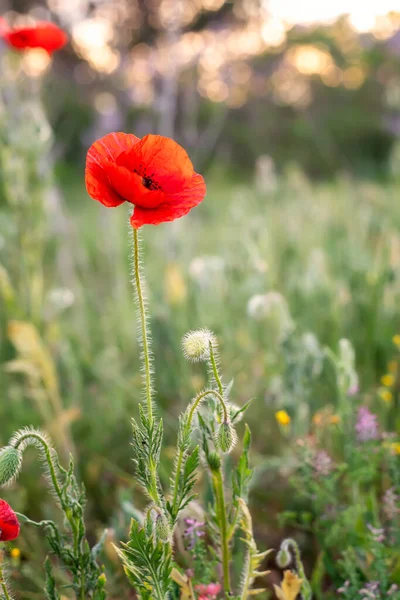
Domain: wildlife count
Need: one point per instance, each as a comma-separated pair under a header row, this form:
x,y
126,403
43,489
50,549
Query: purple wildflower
x,y
378,535
344,588
323,464
353,389
194,530
367,425
391,504
370,591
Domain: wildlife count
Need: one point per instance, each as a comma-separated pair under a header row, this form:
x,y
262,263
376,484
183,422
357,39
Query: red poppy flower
x,y
42,35
9,526
154,174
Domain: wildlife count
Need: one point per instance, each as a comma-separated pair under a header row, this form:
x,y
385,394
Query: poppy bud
x,y
226,436
283,558
10,464
214,461
196,345
162,529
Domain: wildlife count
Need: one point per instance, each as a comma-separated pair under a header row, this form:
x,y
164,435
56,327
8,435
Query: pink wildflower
x,y
209,591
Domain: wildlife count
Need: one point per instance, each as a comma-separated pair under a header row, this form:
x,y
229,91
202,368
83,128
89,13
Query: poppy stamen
x,y
149,183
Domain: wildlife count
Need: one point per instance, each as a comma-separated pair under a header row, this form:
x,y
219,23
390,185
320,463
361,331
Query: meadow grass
x,y
330,249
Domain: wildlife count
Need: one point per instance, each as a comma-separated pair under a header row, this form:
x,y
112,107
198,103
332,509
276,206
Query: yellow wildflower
x,y
386,395
290,586
317,419
396,339
103,578
334,419
392,366
282,417
387,380
395,447
15,553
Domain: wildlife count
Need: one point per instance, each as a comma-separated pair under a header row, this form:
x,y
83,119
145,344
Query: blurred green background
x,y
294,122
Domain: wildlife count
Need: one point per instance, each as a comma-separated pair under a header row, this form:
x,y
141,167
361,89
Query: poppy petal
x,y
49,37
44,35
129,185
174,206
9,525
100,157
162,159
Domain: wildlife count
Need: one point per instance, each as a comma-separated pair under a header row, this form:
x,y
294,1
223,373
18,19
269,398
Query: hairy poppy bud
x,y
214,461
283,558
226,436
10,464
162,529
196,345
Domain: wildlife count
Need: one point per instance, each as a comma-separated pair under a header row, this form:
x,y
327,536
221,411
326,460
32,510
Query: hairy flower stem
x,y
199,399
33,435
290,544
218,486
3,585
214,368
35,438
143,321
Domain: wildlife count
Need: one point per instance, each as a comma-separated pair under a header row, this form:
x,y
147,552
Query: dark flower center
x,y
23,37
149,183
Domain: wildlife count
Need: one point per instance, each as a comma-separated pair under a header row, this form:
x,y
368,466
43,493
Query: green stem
x,y
49,459
215,370
3,585
222,522
143,320
232,528
290,544
181,455
35,437
200,397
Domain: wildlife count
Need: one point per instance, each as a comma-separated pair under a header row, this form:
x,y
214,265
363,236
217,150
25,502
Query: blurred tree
x,y
227,79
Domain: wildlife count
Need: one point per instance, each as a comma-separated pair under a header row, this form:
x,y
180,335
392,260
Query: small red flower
x,y
9,526
154,174
42,35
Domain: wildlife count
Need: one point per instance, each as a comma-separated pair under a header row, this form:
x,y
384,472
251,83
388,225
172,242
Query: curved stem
x,y
290,544
200,397
49,459
35,438
181,454
143,322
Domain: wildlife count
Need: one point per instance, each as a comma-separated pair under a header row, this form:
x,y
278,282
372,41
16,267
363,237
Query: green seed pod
x,y
162,530
226,436
214,461
10,464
